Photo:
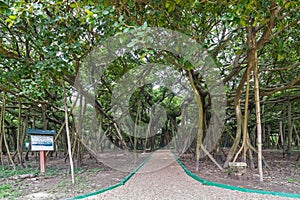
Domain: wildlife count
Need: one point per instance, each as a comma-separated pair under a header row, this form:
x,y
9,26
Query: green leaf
x,y
132,43
73,5
79,4
106,2
242,22
122,39
105,12
280,57
8,20
10,24
143,56
13,17
189,66
121,18
89,12
170,5
144,26
126,30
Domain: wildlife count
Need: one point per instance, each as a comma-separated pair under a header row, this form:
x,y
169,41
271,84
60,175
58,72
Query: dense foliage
x,y
43,43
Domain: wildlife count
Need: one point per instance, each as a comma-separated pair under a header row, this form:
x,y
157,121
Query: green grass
x,y
4,190
53,171
292,180
50,171
95,170
7,192
18,171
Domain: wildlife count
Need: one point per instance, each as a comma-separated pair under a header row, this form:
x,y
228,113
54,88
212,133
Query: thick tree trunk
x,y
239,117
200,122
245,123
238,135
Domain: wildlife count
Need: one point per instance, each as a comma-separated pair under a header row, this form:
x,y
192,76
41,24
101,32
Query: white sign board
x,y
42,143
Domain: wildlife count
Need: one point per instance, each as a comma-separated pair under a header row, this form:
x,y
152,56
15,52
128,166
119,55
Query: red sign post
x,y
43,161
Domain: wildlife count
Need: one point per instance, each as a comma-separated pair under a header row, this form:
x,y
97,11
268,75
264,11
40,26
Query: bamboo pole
x,y
68,137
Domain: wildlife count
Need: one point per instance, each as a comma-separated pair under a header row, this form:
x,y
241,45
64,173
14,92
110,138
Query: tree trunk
x,y
268,136
3,132
238,134
25,127
245,124
238,115
45,121
79,131
19,145
200,120
281,135
297,136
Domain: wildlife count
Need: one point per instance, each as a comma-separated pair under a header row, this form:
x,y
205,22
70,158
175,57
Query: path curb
x,y
122,182
230,187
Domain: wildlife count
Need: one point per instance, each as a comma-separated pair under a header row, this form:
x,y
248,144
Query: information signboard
x,y
42,143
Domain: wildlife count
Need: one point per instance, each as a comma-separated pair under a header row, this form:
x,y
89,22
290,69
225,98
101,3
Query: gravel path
x,y
162,178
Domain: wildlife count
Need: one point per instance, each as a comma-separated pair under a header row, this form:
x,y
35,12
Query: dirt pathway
x,y
162,178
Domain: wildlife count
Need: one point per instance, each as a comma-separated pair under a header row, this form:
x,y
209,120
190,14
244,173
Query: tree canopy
x,y
254,44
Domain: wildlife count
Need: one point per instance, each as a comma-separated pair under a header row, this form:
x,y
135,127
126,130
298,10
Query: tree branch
x,y
268,29
270,91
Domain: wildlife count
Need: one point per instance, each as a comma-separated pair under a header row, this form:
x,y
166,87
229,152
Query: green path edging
x,y
230,187
122,182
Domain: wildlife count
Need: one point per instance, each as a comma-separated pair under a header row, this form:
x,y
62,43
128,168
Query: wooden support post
x,y
43,161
